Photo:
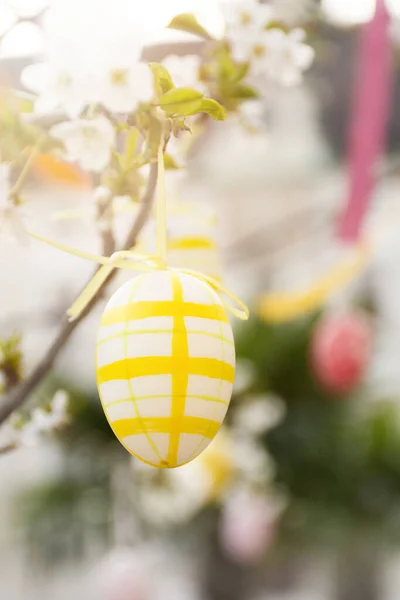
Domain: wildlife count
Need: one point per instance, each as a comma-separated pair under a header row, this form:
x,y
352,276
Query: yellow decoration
x,y
165,357
165,366
278,307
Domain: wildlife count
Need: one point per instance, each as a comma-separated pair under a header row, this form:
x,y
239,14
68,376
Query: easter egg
x,y
341,349
192,238
165,366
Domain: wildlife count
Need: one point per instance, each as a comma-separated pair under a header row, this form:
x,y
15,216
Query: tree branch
x,y
18,396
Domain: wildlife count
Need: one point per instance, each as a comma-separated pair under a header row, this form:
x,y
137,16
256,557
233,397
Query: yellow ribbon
x,y
276,307
134,261
145,263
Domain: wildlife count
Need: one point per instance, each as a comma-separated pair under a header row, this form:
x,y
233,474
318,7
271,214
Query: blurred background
x,y
298,497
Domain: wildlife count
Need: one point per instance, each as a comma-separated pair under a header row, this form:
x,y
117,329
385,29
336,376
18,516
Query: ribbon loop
x,y
135,261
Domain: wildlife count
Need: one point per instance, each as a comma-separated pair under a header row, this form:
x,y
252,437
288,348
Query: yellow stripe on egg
x,y
165,366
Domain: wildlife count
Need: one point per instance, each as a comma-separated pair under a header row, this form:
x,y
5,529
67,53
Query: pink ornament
x,y
340,351
247,528
122,576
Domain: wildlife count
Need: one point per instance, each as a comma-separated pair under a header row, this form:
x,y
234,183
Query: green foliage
x,y
181,101
213,109
186,102
226,78
170,163
187,22
11,360
243,92
162,79
336,456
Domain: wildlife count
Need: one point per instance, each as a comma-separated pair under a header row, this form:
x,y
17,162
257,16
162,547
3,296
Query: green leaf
x,y
187,22
170,163
181,101
162,78
244,92
212,108
241,71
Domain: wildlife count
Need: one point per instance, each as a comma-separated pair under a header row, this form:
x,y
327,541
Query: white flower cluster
x,y
40,422
280,57
91,61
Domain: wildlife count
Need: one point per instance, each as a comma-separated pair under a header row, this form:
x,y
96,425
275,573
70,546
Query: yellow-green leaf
x,y
187,22
241,71
162,78
181,101
212,108
170,162
244,92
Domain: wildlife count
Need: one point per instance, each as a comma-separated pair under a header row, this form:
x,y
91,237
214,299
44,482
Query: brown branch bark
x,y
18,396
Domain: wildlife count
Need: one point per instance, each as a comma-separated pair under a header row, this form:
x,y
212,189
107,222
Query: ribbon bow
x,y
134,261
145,263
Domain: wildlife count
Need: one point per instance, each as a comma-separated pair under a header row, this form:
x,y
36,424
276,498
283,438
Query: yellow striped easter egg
x,y
165,366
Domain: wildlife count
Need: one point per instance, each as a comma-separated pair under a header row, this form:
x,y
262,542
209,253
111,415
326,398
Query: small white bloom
x,y
122,85
42,421
59,408
101,195
59,85
87,141
259,414
251,459
169,497
9,435
282,56
184,70
244,376
252,115
245,19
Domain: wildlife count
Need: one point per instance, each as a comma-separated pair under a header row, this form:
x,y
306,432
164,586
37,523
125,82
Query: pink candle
x,y
369,120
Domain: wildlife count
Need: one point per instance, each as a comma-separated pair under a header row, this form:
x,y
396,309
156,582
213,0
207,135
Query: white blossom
x,y
245,20
92,60
87,141
184,70
282,57
172,496
42,421
251,115
245,375
120,80
60,84
258,414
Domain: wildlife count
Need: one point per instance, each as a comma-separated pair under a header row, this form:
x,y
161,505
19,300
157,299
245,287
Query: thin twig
x,y
104,223
15,190
16,398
